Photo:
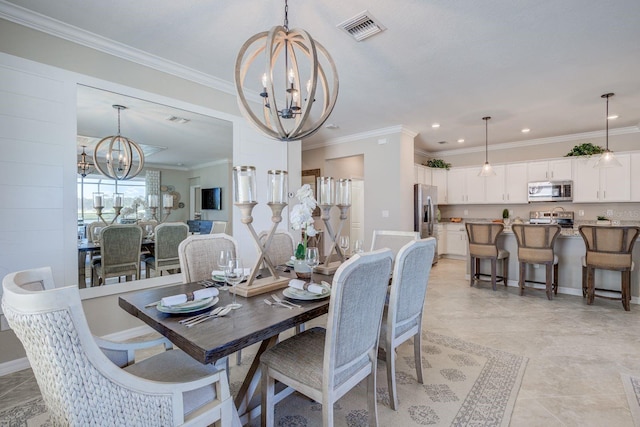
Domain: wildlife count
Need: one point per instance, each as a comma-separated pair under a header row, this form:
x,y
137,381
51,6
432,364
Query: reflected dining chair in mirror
x,y
608,248
119,252
81,386
218,227
281,248
199,253
536,246
483,244
325,364
402,317
165,258
392,239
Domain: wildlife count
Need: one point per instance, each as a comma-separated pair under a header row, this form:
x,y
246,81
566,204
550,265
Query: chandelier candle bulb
x,y
117,200
325,190
98,200
277,186
153,200
343,192
244,184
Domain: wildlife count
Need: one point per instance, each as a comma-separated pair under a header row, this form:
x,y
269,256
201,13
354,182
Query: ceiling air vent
x,y
362,26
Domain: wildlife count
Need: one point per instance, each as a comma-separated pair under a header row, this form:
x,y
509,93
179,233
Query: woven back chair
x,y
608,248
168,236
402,318
81,386
326,364
119,252
483,244
393,240
535,246
199,255
281,248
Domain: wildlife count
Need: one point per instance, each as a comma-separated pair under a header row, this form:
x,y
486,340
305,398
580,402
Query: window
x,y
131,189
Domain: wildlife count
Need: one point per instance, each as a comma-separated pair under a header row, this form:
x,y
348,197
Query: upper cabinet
x,y
508,185
464,186
440,180
635,177
422,174
601,184
550,170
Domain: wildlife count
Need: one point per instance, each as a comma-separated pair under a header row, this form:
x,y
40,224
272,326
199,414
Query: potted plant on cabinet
x,y
603,220
505,217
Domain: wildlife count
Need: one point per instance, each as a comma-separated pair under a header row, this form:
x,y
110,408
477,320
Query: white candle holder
x,y
98,205
331,267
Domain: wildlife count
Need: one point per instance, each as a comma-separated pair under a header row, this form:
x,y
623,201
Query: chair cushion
x,y
177,366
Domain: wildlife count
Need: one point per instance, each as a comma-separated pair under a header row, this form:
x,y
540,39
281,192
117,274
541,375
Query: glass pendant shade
x,y
486,170
607,159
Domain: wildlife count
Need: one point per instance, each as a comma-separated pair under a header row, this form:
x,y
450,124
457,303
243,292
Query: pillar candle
x,y
326,189
153,200
343,192
277,186
117,200
98,200
167,201
244,184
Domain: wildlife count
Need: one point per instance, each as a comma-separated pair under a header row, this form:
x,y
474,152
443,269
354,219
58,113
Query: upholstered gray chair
x,y
608,248
281,248
81,386
326,364
119,253
535,246
199,254
402,318
393,240
483,244
168,236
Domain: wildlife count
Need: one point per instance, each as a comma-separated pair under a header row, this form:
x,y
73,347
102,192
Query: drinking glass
x,y
358,246
344,245
234,274
312,260
223,259
96,234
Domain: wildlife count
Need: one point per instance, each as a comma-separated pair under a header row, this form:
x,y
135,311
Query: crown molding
x,y
539,141
47,25
362,135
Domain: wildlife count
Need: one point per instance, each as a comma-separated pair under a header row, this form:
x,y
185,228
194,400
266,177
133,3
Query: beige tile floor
x,y
576,352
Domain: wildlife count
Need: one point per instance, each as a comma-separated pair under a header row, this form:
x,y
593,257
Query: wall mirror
x,y
183,146
309,177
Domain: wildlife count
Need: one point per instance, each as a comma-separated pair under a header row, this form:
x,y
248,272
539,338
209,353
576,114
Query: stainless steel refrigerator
x,y
425,202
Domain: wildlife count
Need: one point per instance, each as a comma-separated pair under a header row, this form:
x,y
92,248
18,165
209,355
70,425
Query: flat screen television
x,y
211,198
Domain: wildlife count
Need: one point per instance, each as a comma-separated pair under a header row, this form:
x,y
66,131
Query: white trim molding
x,y
362,135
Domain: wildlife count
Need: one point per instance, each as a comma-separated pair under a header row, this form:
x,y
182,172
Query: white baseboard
x,y
16,365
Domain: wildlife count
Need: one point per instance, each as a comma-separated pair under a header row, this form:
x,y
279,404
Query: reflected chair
x,y
402,318
326,364
81,386
483,244
120,253
535,246
198,255
281,248
218,227
393,240
608,248
168,236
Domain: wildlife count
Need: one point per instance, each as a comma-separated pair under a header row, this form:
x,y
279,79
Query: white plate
x,y
218,278
289,263
303,295
188,307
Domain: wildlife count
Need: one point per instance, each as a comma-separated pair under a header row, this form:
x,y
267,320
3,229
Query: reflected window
x,y
134,192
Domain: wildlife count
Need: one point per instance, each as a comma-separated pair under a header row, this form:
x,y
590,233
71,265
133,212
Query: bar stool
x,y
535,246
483,244
608,248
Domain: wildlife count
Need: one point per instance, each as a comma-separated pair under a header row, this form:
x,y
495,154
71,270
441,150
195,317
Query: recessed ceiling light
x,y
460,141
525,130
435,125
612,116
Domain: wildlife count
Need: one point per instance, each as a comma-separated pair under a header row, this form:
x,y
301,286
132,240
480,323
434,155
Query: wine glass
x,y
234,274
312,259
358,246
224,256
344,245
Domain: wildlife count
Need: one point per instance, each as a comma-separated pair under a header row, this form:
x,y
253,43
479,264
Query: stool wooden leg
x,y
555,279
626,289
505,270
548,281
494,268
523,266
590,285
584,282
472,270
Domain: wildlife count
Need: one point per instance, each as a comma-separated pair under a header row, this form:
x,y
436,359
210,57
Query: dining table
x,y
215,339
86,246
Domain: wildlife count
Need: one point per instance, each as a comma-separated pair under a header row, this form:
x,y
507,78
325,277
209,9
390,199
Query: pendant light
x,y
486,170
607,159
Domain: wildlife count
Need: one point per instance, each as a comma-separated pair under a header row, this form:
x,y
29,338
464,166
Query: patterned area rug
x,y
466,384
632,390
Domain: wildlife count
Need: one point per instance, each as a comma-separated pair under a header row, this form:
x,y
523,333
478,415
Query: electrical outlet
x,y
466,212
580,212
609,212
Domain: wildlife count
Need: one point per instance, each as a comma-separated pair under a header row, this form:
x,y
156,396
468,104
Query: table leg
x,y
82,259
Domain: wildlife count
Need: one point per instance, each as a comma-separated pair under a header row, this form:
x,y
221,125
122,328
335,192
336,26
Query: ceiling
x,y
539,64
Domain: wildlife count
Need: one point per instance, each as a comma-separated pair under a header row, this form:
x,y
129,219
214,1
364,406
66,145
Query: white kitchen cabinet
x,y
440,180
601,184
422,174
550,170
635,177
442,239
515,184
464,186
495,185
456,239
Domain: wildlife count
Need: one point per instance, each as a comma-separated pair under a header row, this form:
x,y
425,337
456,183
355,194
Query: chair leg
x,y
590,285
549,281
505,271
417,354
555,279
371,394
472,270
523,267
494,268
390,358
268,389
626,289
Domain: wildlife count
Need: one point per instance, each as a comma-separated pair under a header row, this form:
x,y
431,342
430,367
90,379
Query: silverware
x,y
272,303
276,298
152,304
192,318
222,313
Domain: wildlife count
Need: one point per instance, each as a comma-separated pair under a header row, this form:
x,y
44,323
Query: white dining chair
x,y
81,386
392,239
198,255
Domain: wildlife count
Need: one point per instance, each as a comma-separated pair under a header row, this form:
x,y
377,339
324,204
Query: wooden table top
x,y
209,341
86,245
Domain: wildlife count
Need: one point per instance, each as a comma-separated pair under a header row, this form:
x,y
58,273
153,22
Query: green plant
x,y
505,213
602,218
438,163
585,149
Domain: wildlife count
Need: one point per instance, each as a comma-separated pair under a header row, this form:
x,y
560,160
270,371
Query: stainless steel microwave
x,y
551,191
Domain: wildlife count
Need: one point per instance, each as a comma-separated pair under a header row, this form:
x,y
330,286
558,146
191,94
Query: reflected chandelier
x,y
120,155
285,114
84,166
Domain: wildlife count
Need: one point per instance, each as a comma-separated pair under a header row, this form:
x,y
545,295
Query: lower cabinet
x,y
456,240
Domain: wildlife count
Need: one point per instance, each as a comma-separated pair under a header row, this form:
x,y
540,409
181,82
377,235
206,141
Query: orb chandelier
x,y
84,166
292,60
117,157
607,159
